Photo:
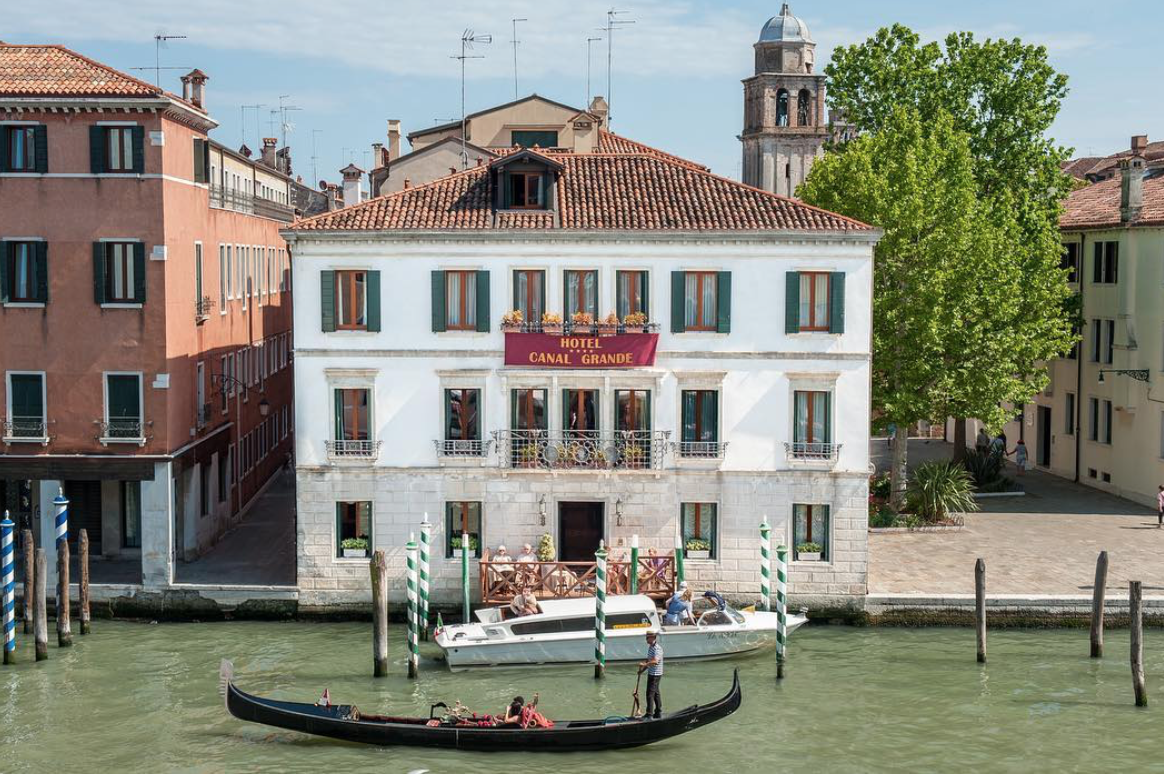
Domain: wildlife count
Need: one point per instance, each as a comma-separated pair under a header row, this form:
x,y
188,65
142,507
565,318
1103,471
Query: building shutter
x,y
138,149
139,273
27,396
5,141
4,248
99,272
199,160
483,313
40,143
1097,264
439,321
792,302
678,306
327,301
645,285
339,415
41,271
373,301
837,302
124,397
96,149
723,302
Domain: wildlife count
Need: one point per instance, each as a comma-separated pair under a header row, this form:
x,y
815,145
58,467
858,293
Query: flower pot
x,y
699,554
355,553
808,556
554,329
607,330
457,552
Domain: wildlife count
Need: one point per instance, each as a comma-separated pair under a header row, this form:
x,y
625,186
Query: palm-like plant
x,y
938,489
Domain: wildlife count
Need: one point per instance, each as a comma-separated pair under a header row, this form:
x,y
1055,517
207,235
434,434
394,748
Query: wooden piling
x,y
1097,603
83,549
379,569
64,628
29,575
40,605
1136,620
980,607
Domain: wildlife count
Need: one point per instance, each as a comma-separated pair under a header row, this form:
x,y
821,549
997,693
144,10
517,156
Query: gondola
x,y
347,723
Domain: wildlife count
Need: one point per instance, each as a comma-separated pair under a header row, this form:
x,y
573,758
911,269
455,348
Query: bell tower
x,y
785,124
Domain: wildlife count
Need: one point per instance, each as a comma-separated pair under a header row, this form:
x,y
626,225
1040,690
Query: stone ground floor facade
x,y
646,504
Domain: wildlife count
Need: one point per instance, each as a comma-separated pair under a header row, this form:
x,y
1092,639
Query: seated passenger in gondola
x,y
513,711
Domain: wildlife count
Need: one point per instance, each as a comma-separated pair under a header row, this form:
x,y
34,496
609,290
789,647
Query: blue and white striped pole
x,y
8,581
61,522
61,519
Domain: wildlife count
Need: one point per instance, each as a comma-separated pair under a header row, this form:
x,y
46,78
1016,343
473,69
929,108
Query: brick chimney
x,y
268,157
601,111
1132,181
377,155
194,88
1139,144
352,175
393,139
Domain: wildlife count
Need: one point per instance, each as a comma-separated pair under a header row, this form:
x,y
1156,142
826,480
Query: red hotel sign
x,y
541,350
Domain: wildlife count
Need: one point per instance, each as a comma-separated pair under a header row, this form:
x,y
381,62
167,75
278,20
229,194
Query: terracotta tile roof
x,y
55,71
1102,167
1098,205
609,142
648,190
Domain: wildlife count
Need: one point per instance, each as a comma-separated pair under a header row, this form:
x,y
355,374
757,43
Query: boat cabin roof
x,y
584,606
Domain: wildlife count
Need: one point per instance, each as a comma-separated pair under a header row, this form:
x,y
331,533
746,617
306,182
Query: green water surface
x,y
138,697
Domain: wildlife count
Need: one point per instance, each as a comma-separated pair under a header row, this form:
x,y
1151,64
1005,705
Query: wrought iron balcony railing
x,y
576,329
349,449
233,199
202,307
700,449
204,414
582,449
812,452
123,430
32,429
462,448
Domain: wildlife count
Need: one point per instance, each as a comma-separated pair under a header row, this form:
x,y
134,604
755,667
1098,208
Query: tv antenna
x,y
611,25
242,130
589,41
284,126
468,38
160,43
515,41
314,157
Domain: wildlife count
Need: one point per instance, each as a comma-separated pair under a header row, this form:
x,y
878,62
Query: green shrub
x,y
355,544
809,548
546,550
882,516
1000,484
984,467
698,544
456,542
938,489
880,486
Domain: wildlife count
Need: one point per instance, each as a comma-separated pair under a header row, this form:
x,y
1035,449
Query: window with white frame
x,y
699,530
26,405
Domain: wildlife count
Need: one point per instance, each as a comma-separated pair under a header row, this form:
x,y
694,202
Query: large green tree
x,y
1007,311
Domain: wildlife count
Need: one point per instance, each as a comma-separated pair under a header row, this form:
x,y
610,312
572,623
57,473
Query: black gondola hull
x,y
576,735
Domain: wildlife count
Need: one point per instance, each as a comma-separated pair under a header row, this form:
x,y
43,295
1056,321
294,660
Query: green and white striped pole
x,y
425,543
413,612
600,612
634,565
765,565
679,559
781,609
465,612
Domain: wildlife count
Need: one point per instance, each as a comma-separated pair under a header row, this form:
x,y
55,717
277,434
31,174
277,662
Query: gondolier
x,y
654,668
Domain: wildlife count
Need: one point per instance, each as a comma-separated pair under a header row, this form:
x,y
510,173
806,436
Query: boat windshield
x,y
725,617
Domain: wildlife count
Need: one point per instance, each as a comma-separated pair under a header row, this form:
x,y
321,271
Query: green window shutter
x,y
139,273
41,271
1097,264
678,307
40,142
448,415
96,149
4,249
688,418
199,160
373,301
792,302
723,302
327,300
439,321
99,272
828,423
483,301
645,284
138,149
5,141
124,398
837,302
27,396
339,415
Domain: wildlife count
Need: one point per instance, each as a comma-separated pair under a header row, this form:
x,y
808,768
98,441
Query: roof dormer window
x,y
527,190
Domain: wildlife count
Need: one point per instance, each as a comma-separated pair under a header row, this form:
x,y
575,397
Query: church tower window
x,y
803,108
782,108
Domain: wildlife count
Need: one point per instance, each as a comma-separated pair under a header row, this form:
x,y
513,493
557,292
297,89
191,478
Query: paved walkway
x,y
1045,542
260,550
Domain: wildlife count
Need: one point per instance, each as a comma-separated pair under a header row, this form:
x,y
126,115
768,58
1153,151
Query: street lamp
x,y
1140,375
223,381
542,509
264,408
618,512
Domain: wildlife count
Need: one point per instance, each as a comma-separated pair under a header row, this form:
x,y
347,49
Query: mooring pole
x,y
634,565
64,629
1136,620
600,611
379,571
413,610
465,611
83,550
679,574
425,545
781,609
765,566
40,606
1097,604
8,581
980,607
29,548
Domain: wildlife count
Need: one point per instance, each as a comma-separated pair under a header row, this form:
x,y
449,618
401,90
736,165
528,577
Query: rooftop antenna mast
x,y
242,129
589,93
314,157
159,40
611,24
515,42
468,38
283,124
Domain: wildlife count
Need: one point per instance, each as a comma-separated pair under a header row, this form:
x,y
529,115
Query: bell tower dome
x,y
784,107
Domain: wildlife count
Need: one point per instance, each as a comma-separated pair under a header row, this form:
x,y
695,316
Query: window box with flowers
x,y
809,552
355,548
512,321
608,326
551,322
697,548
636,322
582,322
458,550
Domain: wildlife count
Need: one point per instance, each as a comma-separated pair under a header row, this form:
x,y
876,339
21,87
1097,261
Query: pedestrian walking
x,y
1020,456
654,669
1160,507
890,433
998,445
982,443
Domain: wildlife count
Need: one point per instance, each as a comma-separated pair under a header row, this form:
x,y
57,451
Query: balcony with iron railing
x,y
204,415
202,309
20,429
582,449
239,201
823,454
569,328
348,449
700,450
461,447
122,430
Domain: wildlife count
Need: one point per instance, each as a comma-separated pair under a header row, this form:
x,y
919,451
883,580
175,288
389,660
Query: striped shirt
x,y
655,653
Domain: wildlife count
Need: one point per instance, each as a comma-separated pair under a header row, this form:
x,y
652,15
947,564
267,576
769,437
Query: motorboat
x,y
562,632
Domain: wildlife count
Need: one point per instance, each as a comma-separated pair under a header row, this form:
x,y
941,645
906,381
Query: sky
x,y
346,66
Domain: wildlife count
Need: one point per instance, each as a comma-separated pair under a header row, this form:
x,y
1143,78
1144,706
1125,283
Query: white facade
x,y
756,368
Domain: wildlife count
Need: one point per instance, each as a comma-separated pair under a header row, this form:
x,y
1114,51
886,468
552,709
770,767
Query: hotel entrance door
x,y
579,531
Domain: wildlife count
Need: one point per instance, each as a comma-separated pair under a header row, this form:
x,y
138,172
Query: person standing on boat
x,y
654,668
679,607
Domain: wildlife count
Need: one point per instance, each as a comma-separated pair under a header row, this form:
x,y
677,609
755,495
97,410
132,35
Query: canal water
x,y
141,697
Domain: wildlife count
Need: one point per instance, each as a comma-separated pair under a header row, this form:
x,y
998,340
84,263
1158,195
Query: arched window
x,y
803,108
782,108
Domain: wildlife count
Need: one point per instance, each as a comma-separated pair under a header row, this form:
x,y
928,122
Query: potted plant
x,y
698,548
635,321
354,548
512,320
609,325
551,322
635,455
583,322
457,550
809,552
546,550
